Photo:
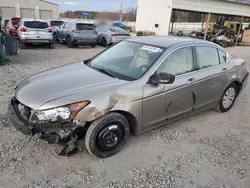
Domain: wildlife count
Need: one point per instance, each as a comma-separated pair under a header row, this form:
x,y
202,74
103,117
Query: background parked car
x,y
77,33
35,32
4,23
12,26
55,23
110,35
122,26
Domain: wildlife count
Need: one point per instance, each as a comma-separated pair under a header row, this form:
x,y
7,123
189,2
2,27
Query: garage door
x,y
46,14
8,12
27,13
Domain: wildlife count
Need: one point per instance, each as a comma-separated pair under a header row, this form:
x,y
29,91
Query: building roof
x,y
49,2
166,41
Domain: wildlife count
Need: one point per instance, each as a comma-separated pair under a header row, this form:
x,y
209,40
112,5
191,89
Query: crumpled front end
x,y
64,132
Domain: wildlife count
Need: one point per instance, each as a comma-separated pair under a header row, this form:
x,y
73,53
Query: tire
x,y
93,46
52,45
55,38
222,106
104,42
98,135
69,42
23,46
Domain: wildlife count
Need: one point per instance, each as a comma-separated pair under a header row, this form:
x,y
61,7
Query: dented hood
x,y
61,82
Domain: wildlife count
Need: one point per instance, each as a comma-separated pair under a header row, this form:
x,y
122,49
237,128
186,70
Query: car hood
x,y
60,82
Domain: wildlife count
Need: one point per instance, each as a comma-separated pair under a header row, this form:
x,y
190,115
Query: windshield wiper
x,y
104,71
87,62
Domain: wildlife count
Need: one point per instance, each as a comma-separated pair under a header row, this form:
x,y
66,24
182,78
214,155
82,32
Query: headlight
x,y
67,112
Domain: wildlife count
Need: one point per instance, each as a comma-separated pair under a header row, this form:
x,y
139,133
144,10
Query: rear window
x,y
36,24
83,26
56,23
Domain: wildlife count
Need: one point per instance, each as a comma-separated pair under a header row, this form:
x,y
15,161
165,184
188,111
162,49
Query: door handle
x,y
224,70
191,80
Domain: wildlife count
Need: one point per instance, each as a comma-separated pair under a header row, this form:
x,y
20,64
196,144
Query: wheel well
x,y
238,85
133,125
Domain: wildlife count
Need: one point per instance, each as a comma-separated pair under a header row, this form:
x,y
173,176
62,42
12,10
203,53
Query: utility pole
x,y
121,10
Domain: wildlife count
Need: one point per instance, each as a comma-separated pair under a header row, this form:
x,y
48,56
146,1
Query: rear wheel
x,y
23,46
228,99
52,45
104,42
107,135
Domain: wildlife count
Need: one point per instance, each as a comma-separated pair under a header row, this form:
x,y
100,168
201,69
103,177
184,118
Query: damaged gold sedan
x,y
131,87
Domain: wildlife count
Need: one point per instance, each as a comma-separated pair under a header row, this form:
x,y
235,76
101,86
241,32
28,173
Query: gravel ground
x,y
207,150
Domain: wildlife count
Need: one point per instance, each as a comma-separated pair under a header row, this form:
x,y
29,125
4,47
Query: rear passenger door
x,y
211,75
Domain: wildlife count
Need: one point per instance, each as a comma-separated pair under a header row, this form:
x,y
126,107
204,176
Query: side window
x,y
67,26
178,62
64,25
207,56
223,56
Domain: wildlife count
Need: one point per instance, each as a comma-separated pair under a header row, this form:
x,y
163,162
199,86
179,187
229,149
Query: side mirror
x,y
161,78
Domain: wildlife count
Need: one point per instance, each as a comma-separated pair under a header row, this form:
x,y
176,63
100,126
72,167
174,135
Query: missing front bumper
x,y
17,120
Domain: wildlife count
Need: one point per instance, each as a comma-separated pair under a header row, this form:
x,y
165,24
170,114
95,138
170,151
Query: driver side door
x,y
162,103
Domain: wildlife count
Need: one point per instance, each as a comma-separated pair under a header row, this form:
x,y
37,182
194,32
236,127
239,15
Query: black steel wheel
x,y
107,135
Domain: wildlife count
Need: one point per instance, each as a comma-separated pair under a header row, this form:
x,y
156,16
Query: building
x,y
38,9
155,15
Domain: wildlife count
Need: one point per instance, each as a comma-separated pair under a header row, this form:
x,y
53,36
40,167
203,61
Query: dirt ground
x,y
208,150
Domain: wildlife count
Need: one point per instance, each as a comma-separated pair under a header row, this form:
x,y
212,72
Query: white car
x,y
110,35
33,31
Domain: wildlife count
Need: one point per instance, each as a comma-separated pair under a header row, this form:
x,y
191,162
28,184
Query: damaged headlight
x,y
62,113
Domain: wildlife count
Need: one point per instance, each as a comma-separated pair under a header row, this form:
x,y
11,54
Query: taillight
x,y
113,35
23,29
50,30
75,31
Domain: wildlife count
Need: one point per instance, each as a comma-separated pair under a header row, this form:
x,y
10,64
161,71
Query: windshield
x,y
127,60
36,24
56,23
83,26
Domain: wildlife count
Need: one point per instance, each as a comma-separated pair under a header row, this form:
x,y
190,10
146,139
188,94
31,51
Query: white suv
x,y
33,31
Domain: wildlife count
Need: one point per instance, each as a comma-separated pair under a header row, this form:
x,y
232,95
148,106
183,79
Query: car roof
x,y
167,41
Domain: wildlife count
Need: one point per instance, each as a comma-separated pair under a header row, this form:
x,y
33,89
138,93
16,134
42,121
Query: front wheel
x,y
107,135
69,42
55,38
228,99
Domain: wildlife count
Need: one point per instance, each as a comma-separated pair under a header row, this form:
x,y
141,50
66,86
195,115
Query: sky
x,y
95,5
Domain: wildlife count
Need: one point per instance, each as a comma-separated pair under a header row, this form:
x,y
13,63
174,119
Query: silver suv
x,y
33,31
134,86
76,33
